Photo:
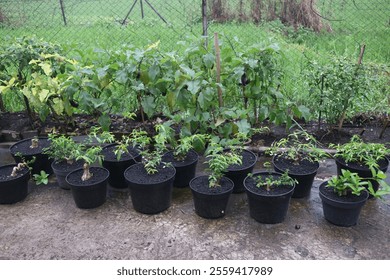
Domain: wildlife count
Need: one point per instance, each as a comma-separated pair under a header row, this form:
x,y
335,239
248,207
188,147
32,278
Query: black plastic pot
x,y
91,193
117,168
267,207
210,203
238,173
338,211
362,171
185,170
150,194
305,180
13,190
42,161
61,172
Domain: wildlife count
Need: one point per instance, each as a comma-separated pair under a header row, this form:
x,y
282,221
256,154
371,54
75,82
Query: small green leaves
x,y
41,178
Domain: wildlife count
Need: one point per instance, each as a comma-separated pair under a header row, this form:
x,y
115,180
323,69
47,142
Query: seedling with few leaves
x,y
62,148
89,156
219,161
271,181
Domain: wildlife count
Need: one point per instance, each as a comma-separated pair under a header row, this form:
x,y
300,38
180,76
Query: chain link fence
x,y
114,22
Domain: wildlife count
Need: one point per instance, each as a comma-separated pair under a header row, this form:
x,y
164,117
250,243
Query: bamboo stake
x,y
218,63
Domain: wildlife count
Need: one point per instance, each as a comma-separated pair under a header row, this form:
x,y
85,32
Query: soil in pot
x,y
362,170
118,167
210,203
304,173
13,189
42,161
341,210
91,193
185,169
150,193
268,207
237,173
62,168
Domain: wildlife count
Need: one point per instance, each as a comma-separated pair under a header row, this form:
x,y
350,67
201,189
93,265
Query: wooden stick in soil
x,y
204,21
362,49
218,63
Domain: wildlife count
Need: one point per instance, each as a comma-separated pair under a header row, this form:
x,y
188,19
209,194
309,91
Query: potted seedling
x,y
361,158
63,150
238,172
30,148
182,154
14,182
299,155
151,180
344,196
117,156
89,184
211,192
269,195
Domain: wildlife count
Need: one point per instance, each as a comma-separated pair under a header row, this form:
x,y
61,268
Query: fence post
x,y
63,12
204,20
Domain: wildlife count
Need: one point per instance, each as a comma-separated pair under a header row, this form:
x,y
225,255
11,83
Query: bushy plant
x,y
357,151
62,148
350,183
298,146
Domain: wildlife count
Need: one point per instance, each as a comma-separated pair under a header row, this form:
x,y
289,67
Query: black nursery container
x,y
305,181
267,208
238,173
339,212
150,196
185,170
210,203
42,161
61,171
13,190
91,193
117,168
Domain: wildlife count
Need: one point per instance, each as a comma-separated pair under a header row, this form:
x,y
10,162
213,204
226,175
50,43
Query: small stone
x,y
297,227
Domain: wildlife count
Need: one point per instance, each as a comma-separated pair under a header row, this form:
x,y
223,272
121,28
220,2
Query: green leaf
x,y
149,105
209,60
243,126
105,122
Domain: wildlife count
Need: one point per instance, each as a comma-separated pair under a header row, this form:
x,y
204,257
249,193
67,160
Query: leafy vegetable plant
x,y
357,151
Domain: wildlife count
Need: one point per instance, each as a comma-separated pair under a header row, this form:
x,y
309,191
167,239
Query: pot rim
x,y
121,160
293,173
147,183
322,195
13,165
25,140
268,195
207,193
244,167
85,185
362,168
190,151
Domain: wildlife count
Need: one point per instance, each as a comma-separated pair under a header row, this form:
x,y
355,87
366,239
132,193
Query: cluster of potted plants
x,y
150,166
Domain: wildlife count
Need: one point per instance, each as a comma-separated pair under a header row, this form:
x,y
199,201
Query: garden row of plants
x,y
151,165
226,88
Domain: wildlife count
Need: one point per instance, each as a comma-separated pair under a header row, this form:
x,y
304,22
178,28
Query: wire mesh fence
x,y
114,22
